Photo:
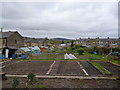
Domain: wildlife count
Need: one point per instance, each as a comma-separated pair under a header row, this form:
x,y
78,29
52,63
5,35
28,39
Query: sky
x,y
61,19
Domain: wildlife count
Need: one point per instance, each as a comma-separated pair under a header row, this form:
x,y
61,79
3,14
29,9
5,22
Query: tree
x,y
51,42
62,42
72,43
80,51
67,41
45,41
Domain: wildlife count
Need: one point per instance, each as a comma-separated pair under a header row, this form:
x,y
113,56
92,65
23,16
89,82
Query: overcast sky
x,y
61,19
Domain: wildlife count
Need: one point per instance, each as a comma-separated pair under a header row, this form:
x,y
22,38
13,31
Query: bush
x,y
15,82
53,51
31,77
118,78
80,51
42,86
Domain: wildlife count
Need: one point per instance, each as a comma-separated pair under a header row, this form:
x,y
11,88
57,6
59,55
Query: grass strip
x,y
100,67
115,61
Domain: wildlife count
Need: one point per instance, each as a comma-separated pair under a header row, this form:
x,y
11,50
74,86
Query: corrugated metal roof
x,y
25,49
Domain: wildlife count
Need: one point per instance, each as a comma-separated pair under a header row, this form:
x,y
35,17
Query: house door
x,y
6,53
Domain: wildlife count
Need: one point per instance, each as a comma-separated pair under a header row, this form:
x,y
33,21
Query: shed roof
x,y
26,49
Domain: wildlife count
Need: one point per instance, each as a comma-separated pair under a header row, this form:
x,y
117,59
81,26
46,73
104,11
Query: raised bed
x,y
91,70
100,68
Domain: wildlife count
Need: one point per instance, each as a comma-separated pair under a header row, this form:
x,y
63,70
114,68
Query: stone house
x,y
28,42
11,41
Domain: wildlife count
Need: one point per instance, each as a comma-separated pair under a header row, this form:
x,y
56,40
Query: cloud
x,y
64,19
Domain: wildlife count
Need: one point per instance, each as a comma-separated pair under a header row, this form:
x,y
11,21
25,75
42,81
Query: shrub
x,y
31,77
53,50
42,86
80,51
118,78
15,82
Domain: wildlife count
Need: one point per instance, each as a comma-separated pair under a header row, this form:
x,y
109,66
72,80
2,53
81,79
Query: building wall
x,y
1,40
0,43
27,44
15,40
4,41
96,42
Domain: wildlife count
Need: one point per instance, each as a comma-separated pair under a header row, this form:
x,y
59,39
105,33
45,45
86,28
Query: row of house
x,y
99,42
34,42
14,40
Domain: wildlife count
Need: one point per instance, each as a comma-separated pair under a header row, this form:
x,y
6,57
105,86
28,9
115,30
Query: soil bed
x,y
90,69
115,70
9,62
65,83
25,67
69,68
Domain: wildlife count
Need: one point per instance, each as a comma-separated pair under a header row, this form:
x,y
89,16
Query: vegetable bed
x,y
101,68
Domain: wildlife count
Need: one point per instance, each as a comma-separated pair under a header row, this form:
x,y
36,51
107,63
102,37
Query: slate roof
x,y
7,34
100,39
33,40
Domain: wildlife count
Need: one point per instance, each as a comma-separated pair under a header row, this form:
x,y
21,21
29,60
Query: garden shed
x,y
24,50
35,50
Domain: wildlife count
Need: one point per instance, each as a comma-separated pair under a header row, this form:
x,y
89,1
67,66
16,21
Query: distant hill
x,y
60,39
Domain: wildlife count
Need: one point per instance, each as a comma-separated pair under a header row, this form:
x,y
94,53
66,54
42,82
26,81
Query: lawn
x,y
60,56
88,56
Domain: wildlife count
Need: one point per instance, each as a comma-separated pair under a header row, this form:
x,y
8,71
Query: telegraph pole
x,y
1,45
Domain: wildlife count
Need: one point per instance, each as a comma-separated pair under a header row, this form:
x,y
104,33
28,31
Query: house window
x,y
15,41
4,42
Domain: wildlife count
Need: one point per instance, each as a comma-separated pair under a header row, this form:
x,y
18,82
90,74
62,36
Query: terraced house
x,y
100,42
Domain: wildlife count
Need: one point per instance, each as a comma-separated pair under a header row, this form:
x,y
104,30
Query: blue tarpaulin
x,y
23,56
3,57
13,56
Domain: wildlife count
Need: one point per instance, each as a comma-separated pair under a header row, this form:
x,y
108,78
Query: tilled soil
x,y
9,62
69,68
92,71
115,70
25,67
65,83
59,68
